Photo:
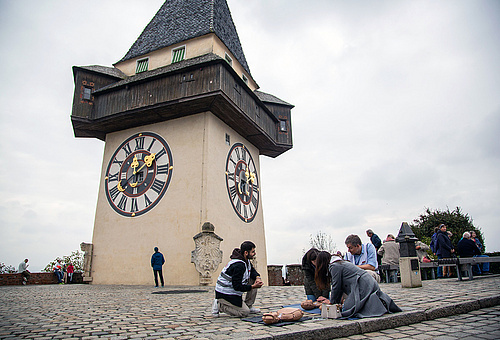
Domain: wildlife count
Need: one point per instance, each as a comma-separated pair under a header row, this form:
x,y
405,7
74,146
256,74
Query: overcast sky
x,y
397,108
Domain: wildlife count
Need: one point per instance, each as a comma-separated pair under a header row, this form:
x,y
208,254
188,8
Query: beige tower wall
x,y
197,193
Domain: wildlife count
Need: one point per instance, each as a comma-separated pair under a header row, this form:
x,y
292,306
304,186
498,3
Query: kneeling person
x,y
238,276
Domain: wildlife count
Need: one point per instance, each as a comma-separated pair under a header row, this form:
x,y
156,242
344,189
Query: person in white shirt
x,y
23,270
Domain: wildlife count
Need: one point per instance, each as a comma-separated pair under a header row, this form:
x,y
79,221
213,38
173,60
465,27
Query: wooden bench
x,y
461,264
466,263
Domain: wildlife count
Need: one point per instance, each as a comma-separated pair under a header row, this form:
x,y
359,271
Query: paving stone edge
x,y
387,321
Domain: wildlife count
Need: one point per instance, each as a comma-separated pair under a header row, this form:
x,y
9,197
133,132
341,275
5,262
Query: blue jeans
x,y
59,275
477,270
440,268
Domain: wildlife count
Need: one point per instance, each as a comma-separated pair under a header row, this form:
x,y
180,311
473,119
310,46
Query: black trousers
x,y
156,277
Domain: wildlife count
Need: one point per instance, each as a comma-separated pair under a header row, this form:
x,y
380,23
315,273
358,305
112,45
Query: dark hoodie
x,y
236,271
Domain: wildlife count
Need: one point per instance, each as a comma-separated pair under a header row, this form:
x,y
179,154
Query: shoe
x,y
156,286
25,279
24,282
254,310
215,309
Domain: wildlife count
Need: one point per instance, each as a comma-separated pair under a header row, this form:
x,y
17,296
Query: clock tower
x,y
184,124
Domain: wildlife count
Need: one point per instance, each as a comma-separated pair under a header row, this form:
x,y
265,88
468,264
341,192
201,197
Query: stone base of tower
x,y
197,193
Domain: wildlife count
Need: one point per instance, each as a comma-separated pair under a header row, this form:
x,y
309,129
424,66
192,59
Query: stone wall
x,y
294,274
35,279
275,275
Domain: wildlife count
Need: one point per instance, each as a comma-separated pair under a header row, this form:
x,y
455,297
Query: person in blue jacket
x,y
157,262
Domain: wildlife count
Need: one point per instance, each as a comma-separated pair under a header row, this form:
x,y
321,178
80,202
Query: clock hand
x,y
148,161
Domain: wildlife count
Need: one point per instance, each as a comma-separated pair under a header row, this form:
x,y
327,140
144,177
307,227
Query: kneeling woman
x,y
364,297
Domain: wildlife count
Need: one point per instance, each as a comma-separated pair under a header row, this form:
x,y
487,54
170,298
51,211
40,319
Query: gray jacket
x,y
364,297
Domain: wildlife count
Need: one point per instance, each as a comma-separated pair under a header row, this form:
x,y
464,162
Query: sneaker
x,y
254,310
215,309
24,282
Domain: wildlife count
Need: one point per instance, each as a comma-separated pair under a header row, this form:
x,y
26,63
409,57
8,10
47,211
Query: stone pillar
x,y
88,249
207,254
275,275
409,265
294,274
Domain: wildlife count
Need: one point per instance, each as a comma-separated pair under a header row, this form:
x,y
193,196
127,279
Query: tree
x,y
456,221
76,258
7,269
322,241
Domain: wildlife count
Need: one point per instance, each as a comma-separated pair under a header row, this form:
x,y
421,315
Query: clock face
x,y
242,182
138,174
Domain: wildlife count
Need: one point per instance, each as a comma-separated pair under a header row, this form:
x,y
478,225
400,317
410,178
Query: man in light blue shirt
x,y
362,255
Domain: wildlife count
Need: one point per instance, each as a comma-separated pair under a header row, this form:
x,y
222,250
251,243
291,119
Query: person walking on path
x,y
237,277
23,270
363,299
157,261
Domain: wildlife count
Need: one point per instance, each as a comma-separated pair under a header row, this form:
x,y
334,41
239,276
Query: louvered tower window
x,y
229,59
178,54
142,65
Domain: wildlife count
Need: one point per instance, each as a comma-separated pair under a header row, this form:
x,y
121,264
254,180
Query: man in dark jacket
x,y
466,247
444,249
377,243
237,277
157,262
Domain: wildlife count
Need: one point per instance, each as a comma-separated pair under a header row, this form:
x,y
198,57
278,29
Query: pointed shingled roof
x,y
180,20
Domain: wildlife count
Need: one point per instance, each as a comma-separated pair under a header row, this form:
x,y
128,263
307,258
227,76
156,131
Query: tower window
x,y
178,54
229,59
87,93
142,65
228,139
283,125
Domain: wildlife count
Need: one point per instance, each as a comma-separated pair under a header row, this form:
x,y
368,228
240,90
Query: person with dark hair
x,y
377,243
444,248
157,261
237,277
363,298
309,268
485,268
362,255
23,269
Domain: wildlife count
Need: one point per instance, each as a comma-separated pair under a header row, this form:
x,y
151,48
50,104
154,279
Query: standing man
x,y
444,249
157,261
375,240
238,276
23,269
362,255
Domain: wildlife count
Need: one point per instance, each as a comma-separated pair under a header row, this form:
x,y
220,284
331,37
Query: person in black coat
x,y
444,248
466,247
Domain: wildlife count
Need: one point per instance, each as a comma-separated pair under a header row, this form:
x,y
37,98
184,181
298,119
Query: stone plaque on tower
x,y
184,125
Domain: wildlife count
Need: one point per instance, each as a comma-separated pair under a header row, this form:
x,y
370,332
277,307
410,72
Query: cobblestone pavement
x,y
465,309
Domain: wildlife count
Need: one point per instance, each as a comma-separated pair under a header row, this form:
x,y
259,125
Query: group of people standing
x,y
468,246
